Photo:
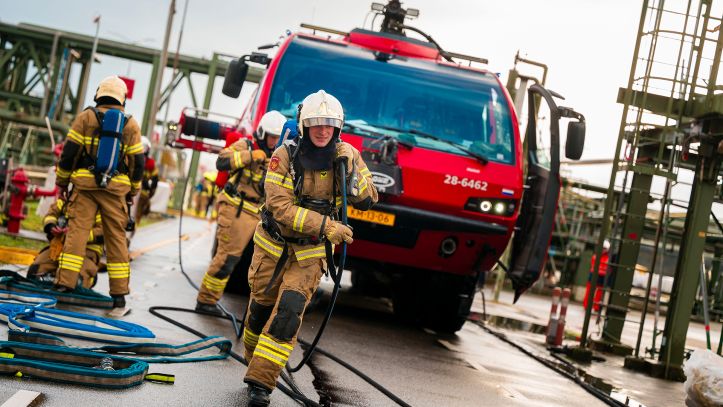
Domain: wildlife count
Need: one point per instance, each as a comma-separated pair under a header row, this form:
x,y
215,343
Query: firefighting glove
x,y
345,152
258,156
337,232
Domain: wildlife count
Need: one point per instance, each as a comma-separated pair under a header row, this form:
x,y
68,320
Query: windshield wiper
x,y
366,132
479,157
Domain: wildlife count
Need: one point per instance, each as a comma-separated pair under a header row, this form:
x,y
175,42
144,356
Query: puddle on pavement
x,y
509,323
598,383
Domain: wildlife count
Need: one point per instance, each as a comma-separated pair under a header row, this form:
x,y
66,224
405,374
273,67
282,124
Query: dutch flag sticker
x,y
507,192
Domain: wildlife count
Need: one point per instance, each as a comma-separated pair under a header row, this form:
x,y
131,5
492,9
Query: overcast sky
x,y
587,44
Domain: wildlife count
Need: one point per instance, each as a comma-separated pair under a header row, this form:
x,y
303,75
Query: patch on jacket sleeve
x,y
274,163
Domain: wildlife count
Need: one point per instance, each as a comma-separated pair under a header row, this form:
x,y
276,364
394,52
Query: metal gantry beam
x,y
37,60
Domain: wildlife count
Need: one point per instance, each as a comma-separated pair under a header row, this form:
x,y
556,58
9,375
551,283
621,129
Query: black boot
x,y
119,301
208,308
258,396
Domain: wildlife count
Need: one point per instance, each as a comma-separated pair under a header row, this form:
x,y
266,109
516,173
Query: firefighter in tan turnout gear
x,y
55,222
98,137
240,205
291,250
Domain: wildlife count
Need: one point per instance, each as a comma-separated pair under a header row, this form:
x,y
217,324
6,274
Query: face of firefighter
x,y
271,141
321,135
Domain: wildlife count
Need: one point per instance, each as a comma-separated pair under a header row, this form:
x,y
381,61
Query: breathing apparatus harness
x,y
322,206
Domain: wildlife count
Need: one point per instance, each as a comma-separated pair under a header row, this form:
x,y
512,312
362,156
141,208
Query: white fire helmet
x,y
114,87
146,144
606,245
272,122
320,109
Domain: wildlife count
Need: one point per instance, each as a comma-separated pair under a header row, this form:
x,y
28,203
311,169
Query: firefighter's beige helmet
x,y
114,87
320,109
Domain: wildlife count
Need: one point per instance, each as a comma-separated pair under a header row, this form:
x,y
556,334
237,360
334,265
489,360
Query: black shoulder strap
x,y
292,149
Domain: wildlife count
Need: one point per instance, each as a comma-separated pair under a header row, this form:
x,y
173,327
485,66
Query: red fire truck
x,y
442,141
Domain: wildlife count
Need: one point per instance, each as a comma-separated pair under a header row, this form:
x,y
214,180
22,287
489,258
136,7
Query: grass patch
x,y
16,241
32,222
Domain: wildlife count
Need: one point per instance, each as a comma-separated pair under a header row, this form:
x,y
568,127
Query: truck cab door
x,y
533,230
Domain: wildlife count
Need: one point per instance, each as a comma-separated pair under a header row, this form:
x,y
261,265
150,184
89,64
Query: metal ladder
x,y
654,104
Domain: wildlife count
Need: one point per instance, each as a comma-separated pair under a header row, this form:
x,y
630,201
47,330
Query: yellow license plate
x,y
382,218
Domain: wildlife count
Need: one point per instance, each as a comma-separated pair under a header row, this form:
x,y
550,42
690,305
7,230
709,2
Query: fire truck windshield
x,y
463,110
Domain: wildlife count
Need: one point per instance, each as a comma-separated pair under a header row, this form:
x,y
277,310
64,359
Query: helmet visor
x,y
322,121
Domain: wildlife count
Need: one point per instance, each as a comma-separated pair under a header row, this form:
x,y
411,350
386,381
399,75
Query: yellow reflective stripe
x,y
96,248
278,179
121,179
237,160
72,257
250,338
272,358
235,201
61,173
364,185
85,173
59,204
310,253
90,141
251,208
6,355
134,149
157,377
250,334
90,236
119,270
98,218
270,346
246,173
50,219
75,136
70,262
297,224
280,345
115,265
365,172
213,283
271,248
136,184
303,219
271,351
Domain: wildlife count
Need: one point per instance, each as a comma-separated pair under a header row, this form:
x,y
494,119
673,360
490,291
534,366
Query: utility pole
x,y
86,71
159,78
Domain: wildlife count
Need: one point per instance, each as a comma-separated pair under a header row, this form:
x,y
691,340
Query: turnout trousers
x,y
43,265
232,235
83,206
274,315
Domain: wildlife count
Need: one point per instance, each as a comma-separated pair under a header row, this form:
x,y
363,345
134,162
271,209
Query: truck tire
x,y
448,301
406,297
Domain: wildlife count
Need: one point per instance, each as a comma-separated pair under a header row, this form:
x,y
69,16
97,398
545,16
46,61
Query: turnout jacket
x,y
296,221
95,238
245,176
79,152
149,182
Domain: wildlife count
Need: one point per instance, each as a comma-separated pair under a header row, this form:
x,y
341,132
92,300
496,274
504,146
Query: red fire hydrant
x,y
20,188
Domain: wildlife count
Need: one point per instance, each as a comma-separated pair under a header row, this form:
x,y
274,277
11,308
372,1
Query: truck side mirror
x,y
575,140
234,79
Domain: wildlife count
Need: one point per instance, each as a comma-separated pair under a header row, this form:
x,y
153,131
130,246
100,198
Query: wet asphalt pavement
x,y
471,368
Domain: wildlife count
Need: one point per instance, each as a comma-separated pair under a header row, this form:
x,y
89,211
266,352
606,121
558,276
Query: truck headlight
x,y
499,207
